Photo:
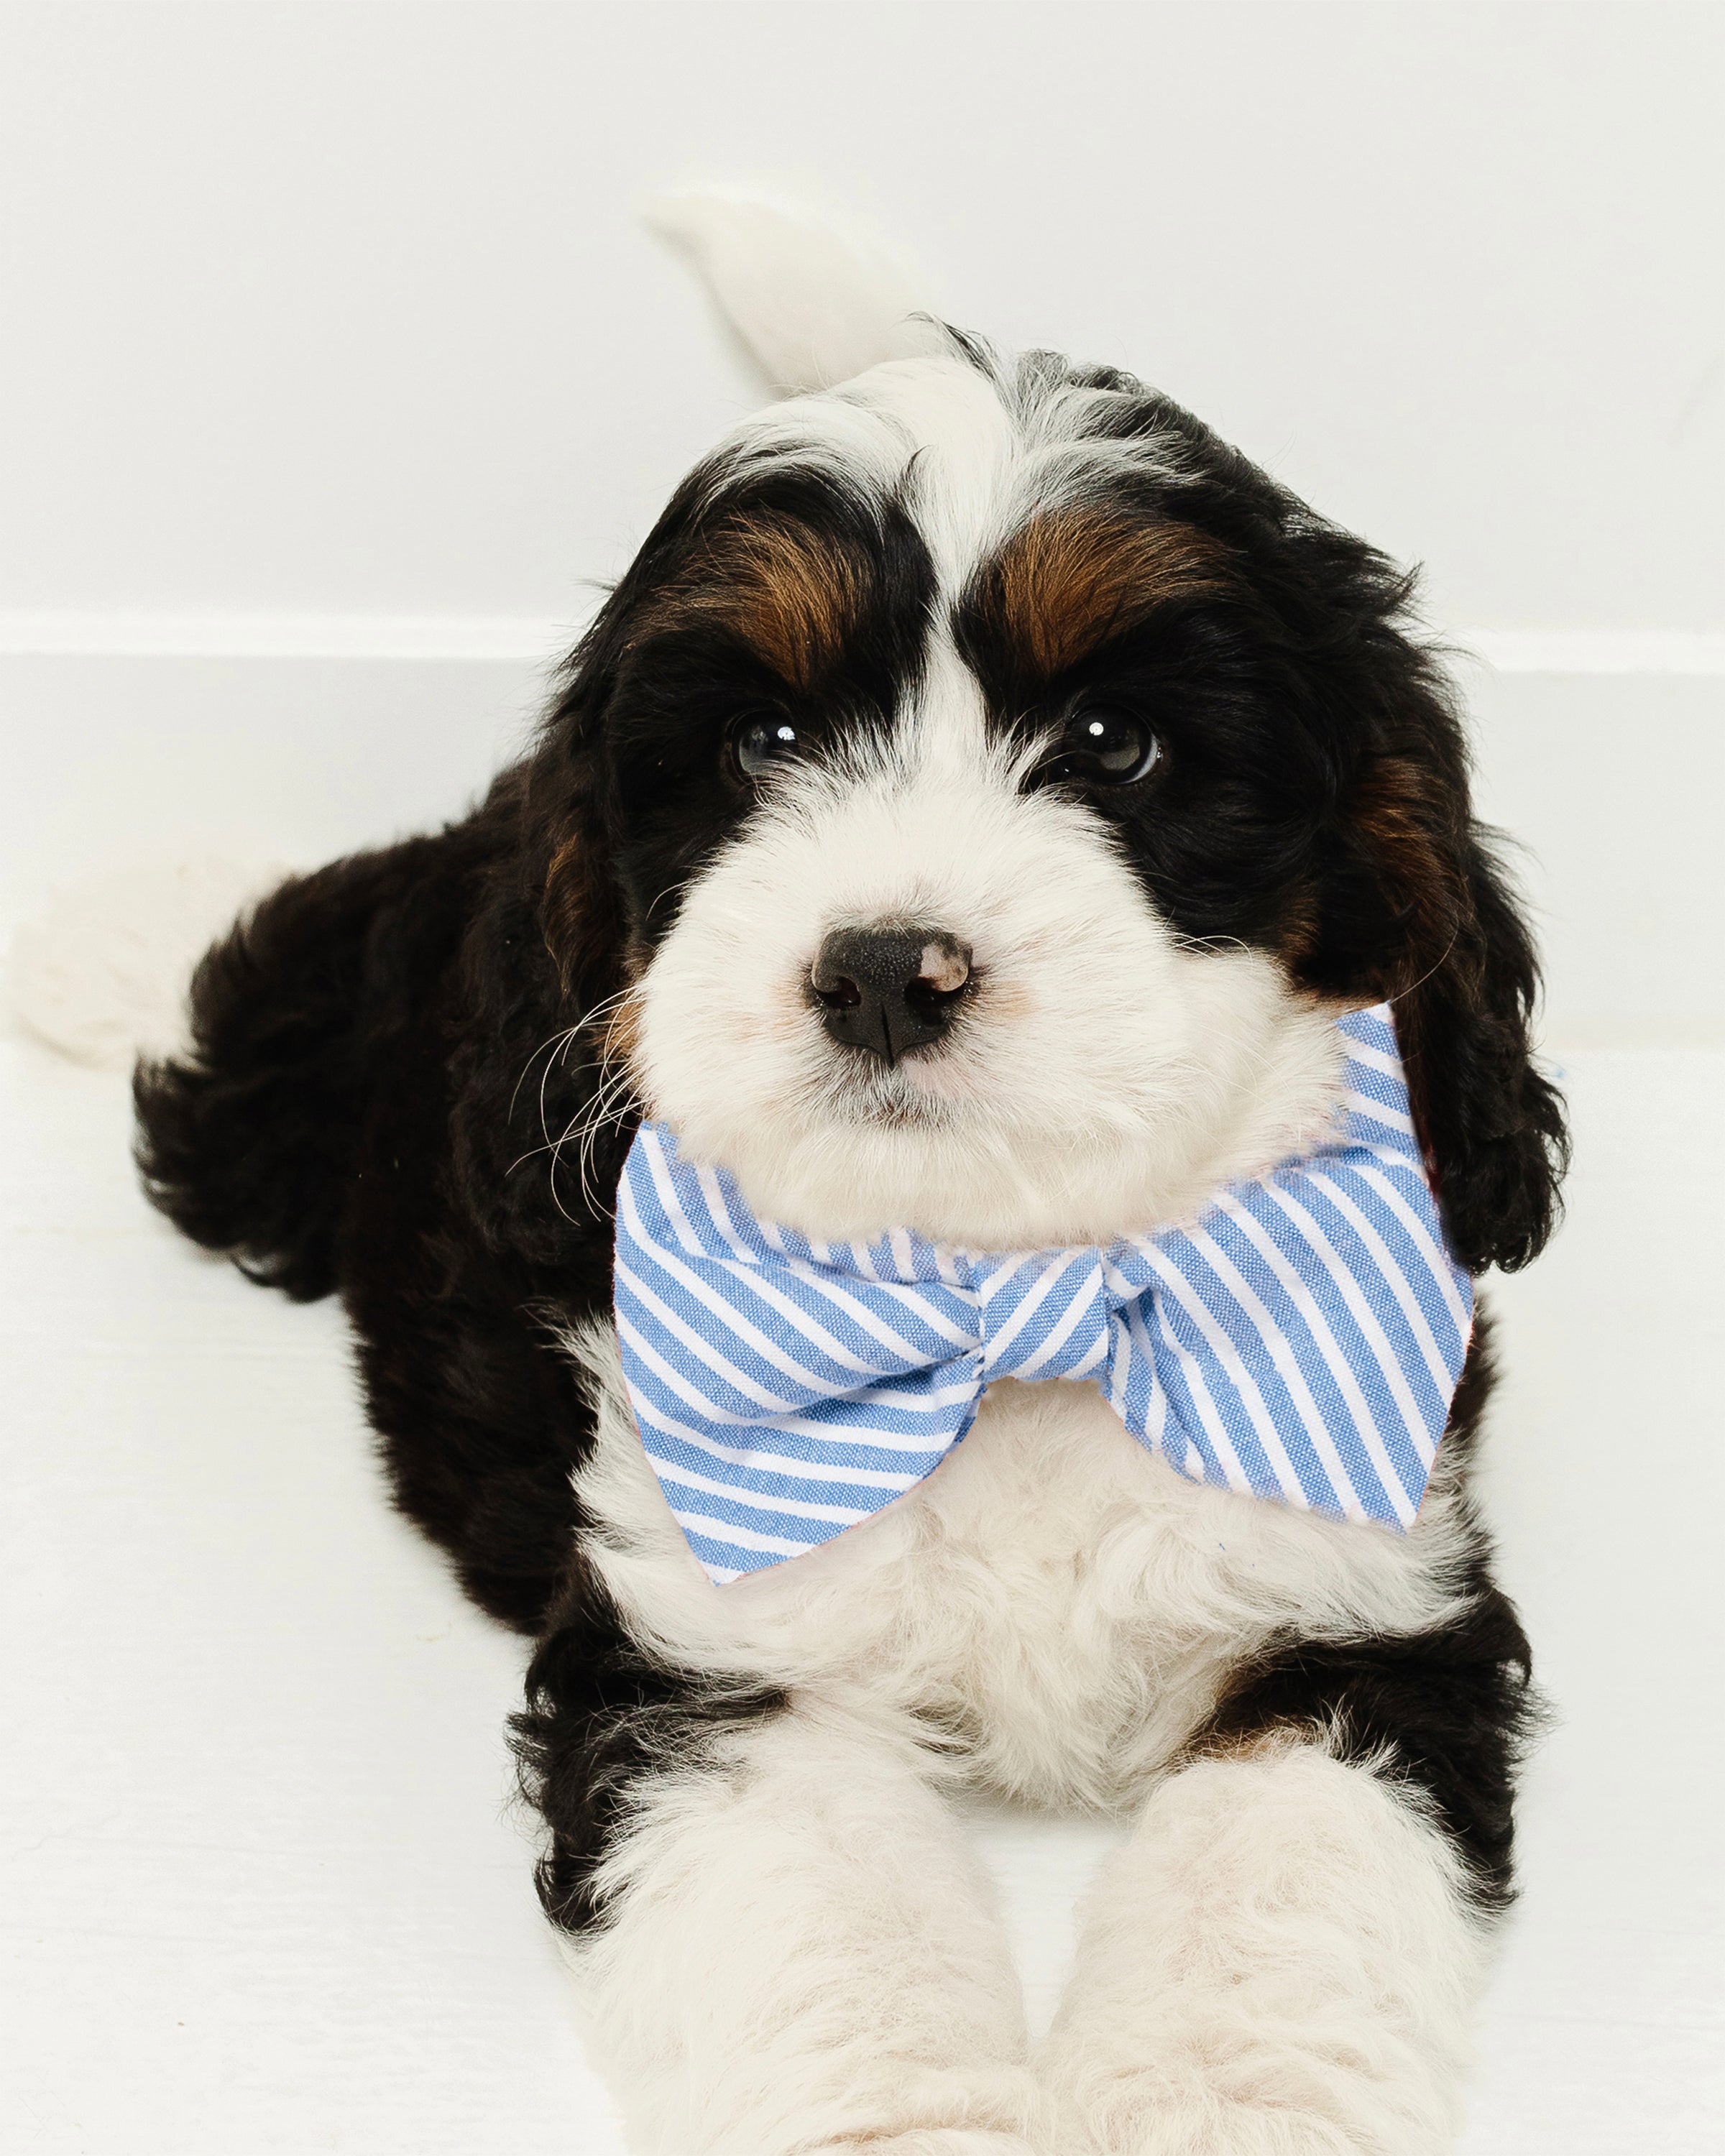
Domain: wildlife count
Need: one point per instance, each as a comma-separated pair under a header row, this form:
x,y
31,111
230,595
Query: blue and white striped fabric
x,y
1301,1341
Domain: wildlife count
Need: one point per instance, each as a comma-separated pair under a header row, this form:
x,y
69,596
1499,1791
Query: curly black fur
x,y
602,1717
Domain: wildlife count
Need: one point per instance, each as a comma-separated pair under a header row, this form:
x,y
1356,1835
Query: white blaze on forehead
x,y
944,729
971,455
935,428
964,444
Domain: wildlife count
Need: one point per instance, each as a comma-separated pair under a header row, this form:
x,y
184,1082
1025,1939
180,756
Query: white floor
x,y
265,1889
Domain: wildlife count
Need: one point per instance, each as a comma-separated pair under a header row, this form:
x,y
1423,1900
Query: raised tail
x,y
814,297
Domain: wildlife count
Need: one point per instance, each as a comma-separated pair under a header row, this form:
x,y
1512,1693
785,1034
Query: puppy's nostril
x,y
890,987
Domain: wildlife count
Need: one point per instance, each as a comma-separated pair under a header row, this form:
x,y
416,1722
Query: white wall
x,y
329,330
341,309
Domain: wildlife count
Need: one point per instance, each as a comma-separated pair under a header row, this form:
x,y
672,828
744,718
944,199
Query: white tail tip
x,y
101,974
814,300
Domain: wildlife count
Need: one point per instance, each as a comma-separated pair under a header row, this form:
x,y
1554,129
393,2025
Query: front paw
x,y
931,2141
1141,2123
1344,2114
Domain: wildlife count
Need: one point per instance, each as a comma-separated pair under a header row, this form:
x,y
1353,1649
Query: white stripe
x,y
1087,1367
988,1288
832,1293
807,1508
681,1386
935,1396
664,1183
809,1328
1383,1059
794,1467
1119,1380
832,1289
726,1535
1362,1104
939,1438
719,1213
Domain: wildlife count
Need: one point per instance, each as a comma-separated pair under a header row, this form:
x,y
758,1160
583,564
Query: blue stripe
x,y
728,1557
819,1453
769,1482
734,1511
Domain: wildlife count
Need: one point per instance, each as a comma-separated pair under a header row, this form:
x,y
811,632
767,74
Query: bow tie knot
x,y
1301,1341
1044,1315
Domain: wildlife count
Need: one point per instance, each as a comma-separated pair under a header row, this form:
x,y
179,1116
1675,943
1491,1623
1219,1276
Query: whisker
x,y
553,1042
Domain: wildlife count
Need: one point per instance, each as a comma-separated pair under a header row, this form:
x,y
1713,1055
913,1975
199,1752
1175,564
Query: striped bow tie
x,y
1301,1341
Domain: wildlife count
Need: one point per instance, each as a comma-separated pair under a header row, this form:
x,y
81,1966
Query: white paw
x,y
1140,2117
931,2141
1231,2129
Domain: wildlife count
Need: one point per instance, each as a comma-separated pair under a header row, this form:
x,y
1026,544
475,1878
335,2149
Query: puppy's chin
x,y
855,1148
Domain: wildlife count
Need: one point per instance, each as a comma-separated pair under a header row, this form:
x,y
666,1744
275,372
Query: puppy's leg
x,y
1281,1962
793,1950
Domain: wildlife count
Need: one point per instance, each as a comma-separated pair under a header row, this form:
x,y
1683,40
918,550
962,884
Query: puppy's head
x,y
993,786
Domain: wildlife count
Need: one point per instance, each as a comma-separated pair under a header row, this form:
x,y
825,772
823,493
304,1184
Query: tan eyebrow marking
x,y
790,593
1067,580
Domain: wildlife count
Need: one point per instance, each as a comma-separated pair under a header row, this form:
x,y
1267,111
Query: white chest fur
x,y
1054,1598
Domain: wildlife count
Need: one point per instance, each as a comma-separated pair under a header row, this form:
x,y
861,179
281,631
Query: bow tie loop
x,y
1045,1314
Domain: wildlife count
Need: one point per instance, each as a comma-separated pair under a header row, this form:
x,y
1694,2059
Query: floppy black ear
x,y
1415,906
570,841
534,1147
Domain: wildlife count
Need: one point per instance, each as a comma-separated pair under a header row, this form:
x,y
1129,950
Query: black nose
x,y
889,988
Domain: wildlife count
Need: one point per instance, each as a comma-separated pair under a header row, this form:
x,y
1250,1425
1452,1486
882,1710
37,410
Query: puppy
x,y
970,814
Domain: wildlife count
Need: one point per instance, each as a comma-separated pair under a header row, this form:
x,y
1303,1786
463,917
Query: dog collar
x,y
1301,1342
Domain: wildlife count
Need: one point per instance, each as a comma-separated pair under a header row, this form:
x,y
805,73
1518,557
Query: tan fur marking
x,y
1068,580
789,594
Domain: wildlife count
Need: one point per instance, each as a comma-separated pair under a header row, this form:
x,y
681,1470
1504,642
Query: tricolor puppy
x,y
1010,861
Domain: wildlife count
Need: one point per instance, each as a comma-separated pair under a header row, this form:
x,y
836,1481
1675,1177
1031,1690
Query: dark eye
x,y
1104,745
761,739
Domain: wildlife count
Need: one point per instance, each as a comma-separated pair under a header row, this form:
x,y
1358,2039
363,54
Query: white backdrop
x,y
336,371
333,345
341,310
